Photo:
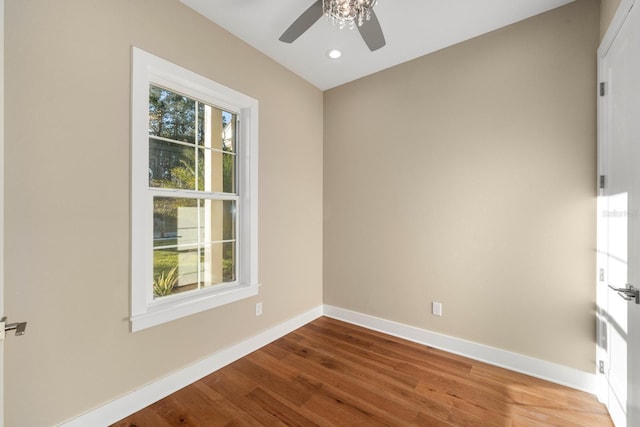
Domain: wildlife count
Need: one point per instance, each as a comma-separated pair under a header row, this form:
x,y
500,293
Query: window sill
x,y
181,307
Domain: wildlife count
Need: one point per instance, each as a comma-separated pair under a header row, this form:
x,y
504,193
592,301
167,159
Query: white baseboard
x,y
130,403
549,371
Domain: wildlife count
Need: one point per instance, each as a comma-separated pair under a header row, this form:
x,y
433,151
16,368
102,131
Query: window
x,y
194,193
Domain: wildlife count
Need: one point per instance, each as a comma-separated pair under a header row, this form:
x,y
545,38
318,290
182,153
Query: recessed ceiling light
x,y
334,54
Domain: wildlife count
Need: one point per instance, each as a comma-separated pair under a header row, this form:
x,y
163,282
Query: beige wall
x,y
468,177
67,199
607,10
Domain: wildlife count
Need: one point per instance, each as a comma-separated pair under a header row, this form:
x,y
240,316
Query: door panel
x,y
1,205
619,217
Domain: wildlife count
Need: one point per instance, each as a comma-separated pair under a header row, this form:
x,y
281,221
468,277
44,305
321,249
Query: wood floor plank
x,y
463,410
331,373
387,342
338,410
359,356
426,419
233,385
352,386
375,375
295,390
284,413
231,412
392,348
375,385
194,404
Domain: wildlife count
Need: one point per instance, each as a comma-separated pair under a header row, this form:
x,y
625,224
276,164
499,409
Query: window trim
x,y
145,311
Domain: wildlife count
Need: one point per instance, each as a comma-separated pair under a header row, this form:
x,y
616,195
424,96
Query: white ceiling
x,y
412,28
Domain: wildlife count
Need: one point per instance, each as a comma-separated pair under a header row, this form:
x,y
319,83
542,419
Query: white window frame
x,y
146,312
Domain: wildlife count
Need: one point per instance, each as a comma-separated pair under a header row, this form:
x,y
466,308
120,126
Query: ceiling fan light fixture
x,y
348,13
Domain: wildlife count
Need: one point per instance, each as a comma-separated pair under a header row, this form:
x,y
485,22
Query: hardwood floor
x,y
334,373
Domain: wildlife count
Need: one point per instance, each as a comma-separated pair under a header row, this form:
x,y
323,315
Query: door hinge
x,y
601,366
602,182
602,88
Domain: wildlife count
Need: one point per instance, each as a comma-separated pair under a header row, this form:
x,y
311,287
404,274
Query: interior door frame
x,y
2,205
602,121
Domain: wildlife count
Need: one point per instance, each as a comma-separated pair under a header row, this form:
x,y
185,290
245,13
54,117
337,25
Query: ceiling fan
x,y
369,28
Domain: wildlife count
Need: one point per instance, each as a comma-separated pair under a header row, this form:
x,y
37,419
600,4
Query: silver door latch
x,y
629,293
19,327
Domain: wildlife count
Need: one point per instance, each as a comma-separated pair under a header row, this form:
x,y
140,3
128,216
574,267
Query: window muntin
x,y
191,147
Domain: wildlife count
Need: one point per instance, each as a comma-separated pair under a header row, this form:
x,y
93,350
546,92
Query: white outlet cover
x,y
436,308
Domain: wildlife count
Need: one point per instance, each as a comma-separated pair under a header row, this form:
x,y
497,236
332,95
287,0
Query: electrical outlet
x,y
259,309
436,308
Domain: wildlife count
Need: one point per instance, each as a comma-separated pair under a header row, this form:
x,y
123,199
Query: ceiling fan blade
x,y
372,33
303,23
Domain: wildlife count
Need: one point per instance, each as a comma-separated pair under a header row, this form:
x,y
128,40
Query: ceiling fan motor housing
x,y
348,13
351,13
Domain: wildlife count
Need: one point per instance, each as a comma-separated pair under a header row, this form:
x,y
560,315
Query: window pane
x,y
216,171
165,274
175,270
229,133
186,269
171,115
217,128
218,263
171,165
229,220
174,221
194,243
200,131
182,221
229,261
174,165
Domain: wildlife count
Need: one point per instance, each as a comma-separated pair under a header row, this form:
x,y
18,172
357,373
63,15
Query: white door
x,y
1,205
619,217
